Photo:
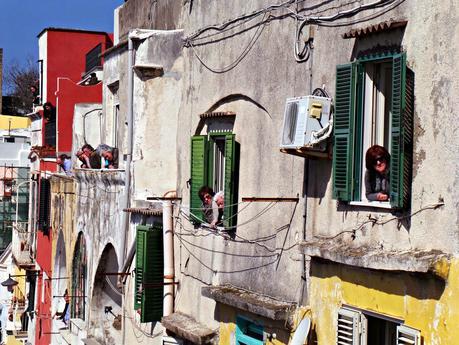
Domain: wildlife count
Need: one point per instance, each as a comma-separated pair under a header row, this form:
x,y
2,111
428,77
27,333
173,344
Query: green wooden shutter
x,y
148,295
343,127
231,167
153,276
139,264
199,147
401,134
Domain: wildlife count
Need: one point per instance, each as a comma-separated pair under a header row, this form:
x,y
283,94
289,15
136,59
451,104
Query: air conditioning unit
x,y
306,119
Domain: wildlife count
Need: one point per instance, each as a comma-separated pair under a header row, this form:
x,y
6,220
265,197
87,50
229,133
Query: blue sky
x,y
22,20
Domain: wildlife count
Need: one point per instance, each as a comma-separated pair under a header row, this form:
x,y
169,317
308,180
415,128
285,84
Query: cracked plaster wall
x,y
268,75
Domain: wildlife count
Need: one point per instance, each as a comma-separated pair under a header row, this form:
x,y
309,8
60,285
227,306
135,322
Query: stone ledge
x,y
420,261
188,328
252,302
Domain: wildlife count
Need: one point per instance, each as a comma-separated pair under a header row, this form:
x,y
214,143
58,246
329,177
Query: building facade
x,y
207,94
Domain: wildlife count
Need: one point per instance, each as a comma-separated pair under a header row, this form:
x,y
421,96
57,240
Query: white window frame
x,y
352,328
218,166
373,119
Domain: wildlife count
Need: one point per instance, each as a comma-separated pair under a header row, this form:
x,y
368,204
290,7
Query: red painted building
x,y
69,63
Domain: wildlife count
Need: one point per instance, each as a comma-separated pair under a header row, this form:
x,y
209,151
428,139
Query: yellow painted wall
x,y
11,340
13,122
424,302
63,219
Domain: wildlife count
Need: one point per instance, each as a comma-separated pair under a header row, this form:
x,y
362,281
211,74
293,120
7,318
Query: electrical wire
x,y
236,62
300,55
374,221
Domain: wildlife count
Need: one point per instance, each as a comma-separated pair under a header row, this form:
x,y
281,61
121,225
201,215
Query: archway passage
x,y
79,276
106,299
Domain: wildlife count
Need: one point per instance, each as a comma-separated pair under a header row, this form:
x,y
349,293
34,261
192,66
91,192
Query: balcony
x,y
23,245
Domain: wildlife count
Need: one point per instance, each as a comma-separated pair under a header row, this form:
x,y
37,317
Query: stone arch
x,y
60,283
79,278
106,299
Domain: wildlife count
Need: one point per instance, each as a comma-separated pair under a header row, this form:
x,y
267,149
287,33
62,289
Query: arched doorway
x,y
79,276
60,284
106,299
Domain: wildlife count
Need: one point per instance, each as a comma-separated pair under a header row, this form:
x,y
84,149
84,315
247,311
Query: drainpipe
x,y
168,243
127,183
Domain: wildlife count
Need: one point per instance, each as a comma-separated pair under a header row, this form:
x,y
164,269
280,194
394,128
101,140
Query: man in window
x,y
377,174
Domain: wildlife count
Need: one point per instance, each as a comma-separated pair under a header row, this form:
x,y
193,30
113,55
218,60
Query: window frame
x,y
355,325
348,137
202,174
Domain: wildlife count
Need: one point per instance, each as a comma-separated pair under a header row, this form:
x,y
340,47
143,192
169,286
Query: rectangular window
x,y
248,332
373,106
356,327
116,111
215,163
148,294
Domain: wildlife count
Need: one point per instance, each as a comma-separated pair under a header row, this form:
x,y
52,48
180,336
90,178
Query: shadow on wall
x,y
317,174
417,285
229,99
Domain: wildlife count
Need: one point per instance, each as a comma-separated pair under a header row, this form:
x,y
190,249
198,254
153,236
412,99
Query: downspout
x,y
127,183
306,261
168,243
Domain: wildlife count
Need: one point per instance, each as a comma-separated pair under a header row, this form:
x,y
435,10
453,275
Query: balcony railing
x,y
22,244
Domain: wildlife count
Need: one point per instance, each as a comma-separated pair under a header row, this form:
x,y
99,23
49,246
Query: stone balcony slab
x,y
416,261
250,301
188,328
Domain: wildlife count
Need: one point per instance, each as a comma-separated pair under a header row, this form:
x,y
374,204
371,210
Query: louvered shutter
x,y
348,332
139,264
198,174
231,167
401,133
152,296
408,336
343,128
45,200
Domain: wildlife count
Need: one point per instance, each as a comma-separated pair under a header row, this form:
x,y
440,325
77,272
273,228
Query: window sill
x,y
377,204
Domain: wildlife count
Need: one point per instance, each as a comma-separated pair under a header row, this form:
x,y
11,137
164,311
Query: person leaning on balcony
x,y
377,161
49,112
89,157
65,163
109,154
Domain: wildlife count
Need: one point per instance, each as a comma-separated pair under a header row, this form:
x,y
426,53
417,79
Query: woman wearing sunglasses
x,y
377,175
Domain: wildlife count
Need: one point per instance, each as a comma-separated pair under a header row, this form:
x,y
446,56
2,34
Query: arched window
x,y
79,274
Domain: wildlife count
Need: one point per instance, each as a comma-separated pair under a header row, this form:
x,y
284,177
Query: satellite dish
x,y
301,333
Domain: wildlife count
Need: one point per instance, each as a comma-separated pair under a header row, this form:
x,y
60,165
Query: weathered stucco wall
x,y
148,14
98,216
434,141
156,110
263,257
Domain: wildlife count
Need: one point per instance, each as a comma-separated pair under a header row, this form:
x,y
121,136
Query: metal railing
x,y
22,244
